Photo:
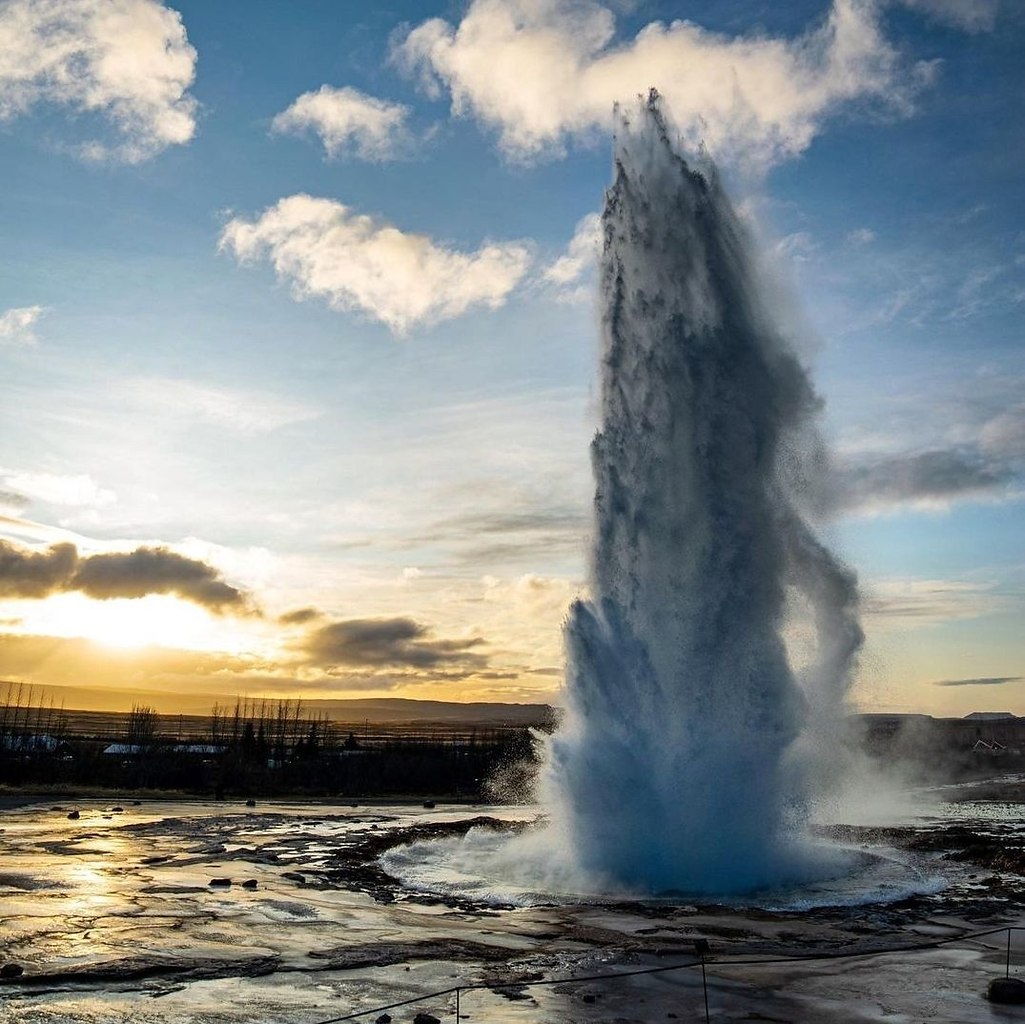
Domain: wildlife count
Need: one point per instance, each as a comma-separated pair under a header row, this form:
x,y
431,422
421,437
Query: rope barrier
x,y
702,961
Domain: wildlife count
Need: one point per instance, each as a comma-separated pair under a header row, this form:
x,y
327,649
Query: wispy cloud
x,y
925,479
908,603
540,72
985,681
233,409
17,326
860,236
968,15
348,121
129,62
358,264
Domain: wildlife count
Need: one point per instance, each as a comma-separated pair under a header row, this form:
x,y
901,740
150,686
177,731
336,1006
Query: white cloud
x,y
969,15
17,325
540,72
860,236
242,412
356,263
346,119
126,60
579,258
798,247
77,490
909,603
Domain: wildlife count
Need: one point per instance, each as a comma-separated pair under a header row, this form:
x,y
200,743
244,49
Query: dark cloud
x,y
937,475
300,616
145,571
493,537
985,681
25,573
389,643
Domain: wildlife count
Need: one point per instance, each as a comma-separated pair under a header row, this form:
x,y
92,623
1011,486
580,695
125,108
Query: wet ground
x,y
162,912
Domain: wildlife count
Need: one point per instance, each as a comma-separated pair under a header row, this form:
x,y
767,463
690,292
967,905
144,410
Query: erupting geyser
x,y
677,768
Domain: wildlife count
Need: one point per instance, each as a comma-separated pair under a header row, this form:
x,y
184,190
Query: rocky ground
x,y
112,917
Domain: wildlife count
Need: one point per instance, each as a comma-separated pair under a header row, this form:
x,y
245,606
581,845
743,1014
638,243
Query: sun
x,y
153,621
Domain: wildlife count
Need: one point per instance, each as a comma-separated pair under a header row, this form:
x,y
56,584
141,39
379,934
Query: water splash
x,y
677,766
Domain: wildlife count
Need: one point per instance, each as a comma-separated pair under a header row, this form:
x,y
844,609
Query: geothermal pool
x,y
113,919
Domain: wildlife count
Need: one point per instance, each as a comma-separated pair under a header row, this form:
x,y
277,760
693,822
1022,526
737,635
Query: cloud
x,y
985,681
389,643
133,574
75,489
910,603
798,247
300,616
543,72
579,259
16,325
356,263
969,15
129,62
34,574
348,120
25,573
925,479
860,236
241,412
12,501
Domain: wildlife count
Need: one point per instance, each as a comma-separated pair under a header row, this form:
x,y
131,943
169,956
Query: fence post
x,y
457,1004
1007,967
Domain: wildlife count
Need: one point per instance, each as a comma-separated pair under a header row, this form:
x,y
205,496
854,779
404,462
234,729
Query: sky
x,y
298,328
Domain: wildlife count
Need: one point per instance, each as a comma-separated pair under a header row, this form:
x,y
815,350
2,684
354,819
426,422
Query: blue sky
x,y
337,353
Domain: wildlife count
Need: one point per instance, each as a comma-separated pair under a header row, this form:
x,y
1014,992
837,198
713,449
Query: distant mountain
x,y
373,710
396,709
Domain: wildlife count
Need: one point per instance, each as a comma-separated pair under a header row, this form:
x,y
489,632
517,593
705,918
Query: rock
x,y
425,1018
220,882
118,810
294,876
57,808
74,815
136,803
250,803
385,1018
11,971
1006,990
589,997
249,883
429,805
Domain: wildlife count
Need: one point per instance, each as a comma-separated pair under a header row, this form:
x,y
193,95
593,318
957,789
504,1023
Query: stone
x,y
385,1018
117,809
220,881
425,1018
74,815
429,804
11,971
1006,990
249,883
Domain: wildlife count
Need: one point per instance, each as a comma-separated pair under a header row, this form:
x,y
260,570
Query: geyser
x,y
677,767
